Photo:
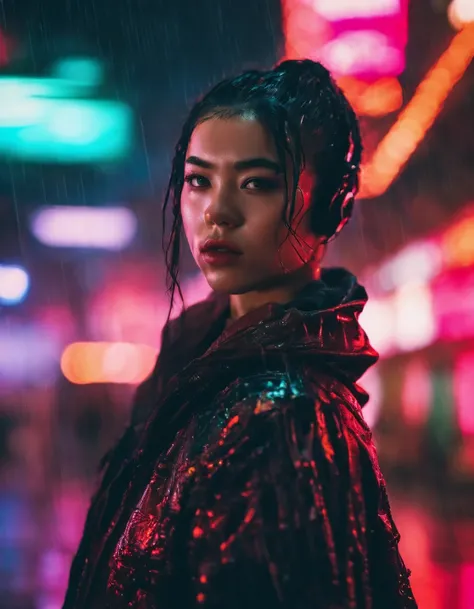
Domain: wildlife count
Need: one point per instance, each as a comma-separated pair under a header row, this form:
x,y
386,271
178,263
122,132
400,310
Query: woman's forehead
x,y
232,138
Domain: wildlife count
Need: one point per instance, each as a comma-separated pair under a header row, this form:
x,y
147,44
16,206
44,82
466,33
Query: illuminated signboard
x,y
60,119
364,39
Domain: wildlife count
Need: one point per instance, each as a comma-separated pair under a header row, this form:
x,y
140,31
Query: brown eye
x,y
263,184
196,181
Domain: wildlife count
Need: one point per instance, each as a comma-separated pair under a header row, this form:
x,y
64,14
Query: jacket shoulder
x,y
274,391
258,409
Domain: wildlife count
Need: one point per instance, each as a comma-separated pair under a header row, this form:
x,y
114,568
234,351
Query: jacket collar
x,y
322,320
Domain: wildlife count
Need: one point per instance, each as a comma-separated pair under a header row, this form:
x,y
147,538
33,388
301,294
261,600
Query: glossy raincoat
x,y
248,478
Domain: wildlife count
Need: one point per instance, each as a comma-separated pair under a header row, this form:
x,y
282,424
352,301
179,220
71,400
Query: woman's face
x,y
234,191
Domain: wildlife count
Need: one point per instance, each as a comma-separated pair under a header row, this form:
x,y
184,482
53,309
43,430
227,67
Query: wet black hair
x,y
313,125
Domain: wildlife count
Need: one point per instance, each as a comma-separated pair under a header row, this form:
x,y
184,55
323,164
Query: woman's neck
x,y
280,293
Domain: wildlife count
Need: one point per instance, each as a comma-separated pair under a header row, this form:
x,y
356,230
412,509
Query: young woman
x,y
248,478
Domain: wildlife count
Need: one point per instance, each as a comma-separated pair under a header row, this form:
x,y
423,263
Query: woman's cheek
x,y
189,211
189,226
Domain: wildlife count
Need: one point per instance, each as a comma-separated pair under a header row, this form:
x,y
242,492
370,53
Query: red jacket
x,y
248,478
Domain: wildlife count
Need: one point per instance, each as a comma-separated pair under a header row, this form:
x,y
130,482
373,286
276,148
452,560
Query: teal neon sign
x,y
58,119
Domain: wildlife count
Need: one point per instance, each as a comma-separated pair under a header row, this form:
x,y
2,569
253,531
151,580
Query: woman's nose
x,y
223,210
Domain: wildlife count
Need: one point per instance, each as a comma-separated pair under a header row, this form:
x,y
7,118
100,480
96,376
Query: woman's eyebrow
x,y
255,163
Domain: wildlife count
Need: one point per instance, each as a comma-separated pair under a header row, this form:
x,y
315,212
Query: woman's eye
x,y
196,181
261,184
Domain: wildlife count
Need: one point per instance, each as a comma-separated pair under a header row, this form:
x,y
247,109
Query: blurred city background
x,y
92,96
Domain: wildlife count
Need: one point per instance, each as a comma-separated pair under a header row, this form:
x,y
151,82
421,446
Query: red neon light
x,y
463,375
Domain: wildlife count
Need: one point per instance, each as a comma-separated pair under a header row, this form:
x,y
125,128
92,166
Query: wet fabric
x,y
248,477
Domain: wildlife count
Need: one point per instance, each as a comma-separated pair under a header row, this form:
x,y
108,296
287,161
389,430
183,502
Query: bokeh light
x,y
348,9
87,363
14,284
111,228
461,13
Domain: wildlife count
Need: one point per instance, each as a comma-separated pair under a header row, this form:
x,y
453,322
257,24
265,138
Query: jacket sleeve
x,y
111,465
280,513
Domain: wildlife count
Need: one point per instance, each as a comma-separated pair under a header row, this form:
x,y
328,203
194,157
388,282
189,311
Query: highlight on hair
x,y
313,126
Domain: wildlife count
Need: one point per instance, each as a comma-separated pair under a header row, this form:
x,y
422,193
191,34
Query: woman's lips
x,y
215,257
219,252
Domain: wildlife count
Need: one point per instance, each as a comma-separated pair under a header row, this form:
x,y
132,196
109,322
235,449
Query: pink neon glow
x,y
418,262
128,313
363,52
334,10
377,319
463,374
414,326
402,321
111,228
467,585
372,383
453,304
133,308
416,392
365,39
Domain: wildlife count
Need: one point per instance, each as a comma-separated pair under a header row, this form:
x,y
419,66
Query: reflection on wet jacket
x,y
248,478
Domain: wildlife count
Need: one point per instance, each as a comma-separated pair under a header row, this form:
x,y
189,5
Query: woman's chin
x,y
227,283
